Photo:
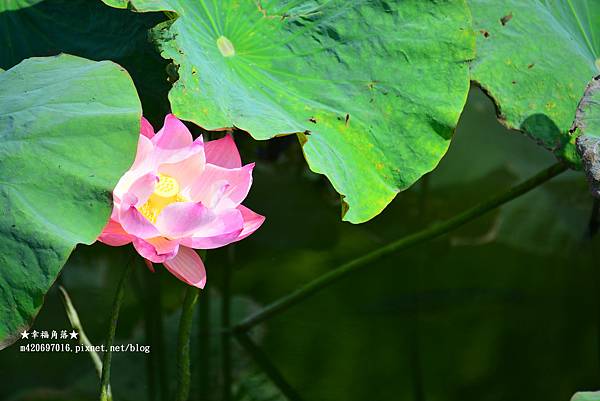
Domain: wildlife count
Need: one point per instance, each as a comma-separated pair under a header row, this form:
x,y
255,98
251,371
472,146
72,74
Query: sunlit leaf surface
x,y
378,85
535,58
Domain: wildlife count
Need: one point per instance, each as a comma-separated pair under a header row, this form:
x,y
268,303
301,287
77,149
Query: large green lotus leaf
x,y
68,131
586,396
90,29
379,85
87,28
12,5
535,58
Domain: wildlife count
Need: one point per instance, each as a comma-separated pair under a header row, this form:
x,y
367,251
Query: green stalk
x,y
183,344
226,331
105,394
204,379
434,231
267,366
77,326
163,374
145,301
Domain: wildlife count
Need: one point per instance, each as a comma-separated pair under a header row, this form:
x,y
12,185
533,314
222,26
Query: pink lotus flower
x,y
181,194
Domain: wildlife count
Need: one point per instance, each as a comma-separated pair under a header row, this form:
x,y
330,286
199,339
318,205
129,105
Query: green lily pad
x,y
535,58
87,28
586,396
90,29
379,86
12,5
69,128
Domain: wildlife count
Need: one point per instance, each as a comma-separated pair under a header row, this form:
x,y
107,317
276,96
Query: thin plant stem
x,y
267,366
434,231
142,297
226,332
155,292
183,344
151,362
76,324
110,338
204,382
145,301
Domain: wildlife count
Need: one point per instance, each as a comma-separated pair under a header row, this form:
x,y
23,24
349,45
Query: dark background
x,y
506,308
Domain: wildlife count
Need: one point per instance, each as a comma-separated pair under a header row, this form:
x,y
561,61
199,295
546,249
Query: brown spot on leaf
x,y
530,66
312,120
485,33
347,119
504,20
263,11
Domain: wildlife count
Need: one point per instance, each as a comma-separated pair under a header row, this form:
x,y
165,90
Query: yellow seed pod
x,y
166,187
